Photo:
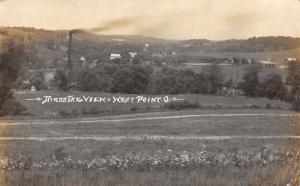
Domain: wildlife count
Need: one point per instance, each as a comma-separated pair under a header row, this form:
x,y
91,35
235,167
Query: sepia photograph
x,y
149,93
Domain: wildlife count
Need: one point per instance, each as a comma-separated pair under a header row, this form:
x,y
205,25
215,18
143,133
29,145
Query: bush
x,y
273,87
251,84
94,110
12,107
296,105
84,111
63,113
181,105
38,80
74,112
8,104
268,106
254,106
133,108
59,153
61,80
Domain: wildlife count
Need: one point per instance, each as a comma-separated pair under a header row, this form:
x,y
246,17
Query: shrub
x,y
94,110
254,106
133,108
181,105
63,113
59,153
296,105
12,107
61,80
268,106
8,104
74,112
273,87
84,111
250,84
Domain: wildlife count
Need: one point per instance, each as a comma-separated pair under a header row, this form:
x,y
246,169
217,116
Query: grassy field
x,y
219,176
242,147
53,110
186,123
236,72
225,141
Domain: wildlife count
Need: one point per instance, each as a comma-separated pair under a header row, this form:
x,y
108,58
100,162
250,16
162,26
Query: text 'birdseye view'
x,y
149,93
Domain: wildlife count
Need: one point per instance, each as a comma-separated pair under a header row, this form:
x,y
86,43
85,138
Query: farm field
x,y
189,147
276,56
236,72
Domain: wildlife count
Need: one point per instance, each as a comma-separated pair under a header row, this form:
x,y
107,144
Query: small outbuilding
x,y
266,63
115,56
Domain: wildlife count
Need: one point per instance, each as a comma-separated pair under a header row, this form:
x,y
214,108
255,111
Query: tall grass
x,y
228,175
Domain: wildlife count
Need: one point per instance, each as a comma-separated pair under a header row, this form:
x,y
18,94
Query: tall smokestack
x,y
70,52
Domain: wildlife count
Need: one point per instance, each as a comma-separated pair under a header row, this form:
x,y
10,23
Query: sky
x,y
171,19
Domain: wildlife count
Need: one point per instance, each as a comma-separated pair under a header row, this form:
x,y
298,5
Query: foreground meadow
x,y
192,147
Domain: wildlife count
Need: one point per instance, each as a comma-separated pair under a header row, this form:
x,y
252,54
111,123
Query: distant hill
x,y
255,44
275,56
48,47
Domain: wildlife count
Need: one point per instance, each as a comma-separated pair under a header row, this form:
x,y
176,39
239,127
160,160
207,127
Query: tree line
x,y
138,79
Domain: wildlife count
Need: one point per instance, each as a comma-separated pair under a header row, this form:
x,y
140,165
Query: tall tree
x,y
293,77
250,84
60,80
293,80
214,75
273,87
10,67
11,62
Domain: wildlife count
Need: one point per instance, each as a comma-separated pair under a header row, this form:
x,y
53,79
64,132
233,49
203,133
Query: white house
x,y
82,58
83,61
133,54
32,88
115,56
290,59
